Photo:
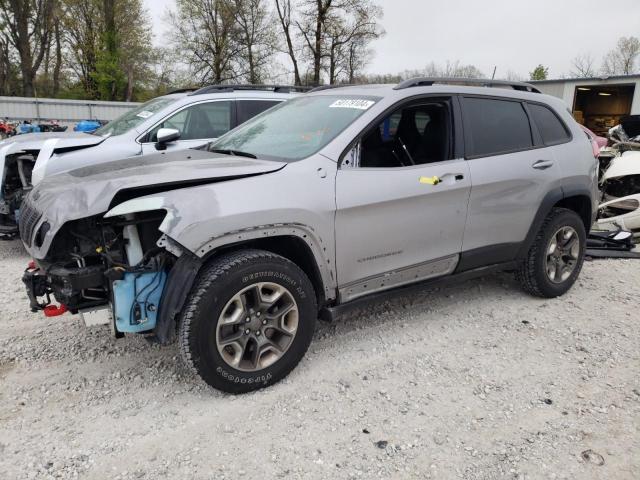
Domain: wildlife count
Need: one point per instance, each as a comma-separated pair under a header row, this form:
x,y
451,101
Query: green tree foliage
x,y
539,73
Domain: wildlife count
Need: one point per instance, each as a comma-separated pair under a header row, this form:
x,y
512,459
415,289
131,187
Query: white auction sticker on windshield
x,y
144,114
358,104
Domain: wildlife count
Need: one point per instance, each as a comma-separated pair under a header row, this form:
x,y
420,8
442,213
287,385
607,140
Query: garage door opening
x,y
600,107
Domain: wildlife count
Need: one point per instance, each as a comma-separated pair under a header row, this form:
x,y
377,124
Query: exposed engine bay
x,y
95,262
18,169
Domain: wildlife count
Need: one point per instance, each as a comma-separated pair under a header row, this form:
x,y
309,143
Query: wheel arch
x,y
291,247
294,243
578,200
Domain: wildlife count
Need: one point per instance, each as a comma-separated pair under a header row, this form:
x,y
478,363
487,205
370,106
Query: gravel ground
x,y
476,381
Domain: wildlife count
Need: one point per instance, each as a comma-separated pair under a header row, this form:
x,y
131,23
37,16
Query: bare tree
x,y
622,59
347,38
358,56
29,24
284,11
258,37
206,30
583,66
452,69
314,14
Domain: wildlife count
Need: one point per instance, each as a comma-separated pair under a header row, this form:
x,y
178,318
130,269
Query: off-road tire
x,y
532,273
215,285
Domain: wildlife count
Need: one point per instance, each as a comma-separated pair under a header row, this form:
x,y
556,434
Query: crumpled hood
x,y
35,141
91,190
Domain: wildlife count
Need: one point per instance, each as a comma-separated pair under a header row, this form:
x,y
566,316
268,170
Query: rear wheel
x,y
248,321
555,259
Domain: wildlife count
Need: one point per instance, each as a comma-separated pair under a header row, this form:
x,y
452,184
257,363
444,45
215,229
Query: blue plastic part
x,y
136,299
87,126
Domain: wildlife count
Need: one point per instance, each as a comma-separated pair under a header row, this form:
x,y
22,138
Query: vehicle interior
x,y
414,135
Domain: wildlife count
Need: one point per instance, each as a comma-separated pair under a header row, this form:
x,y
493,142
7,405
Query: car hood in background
x,y
35,141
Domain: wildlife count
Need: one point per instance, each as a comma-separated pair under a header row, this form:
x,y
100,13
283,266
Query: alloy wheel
x,y
257,326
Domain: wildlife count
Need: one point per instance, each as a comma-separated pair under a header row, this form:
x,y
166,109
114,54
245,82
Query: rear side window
x,y
247,109
496,126
549,125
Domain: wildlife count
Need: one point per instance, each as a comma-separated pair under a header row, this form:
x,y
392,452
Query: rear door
x,y
511,172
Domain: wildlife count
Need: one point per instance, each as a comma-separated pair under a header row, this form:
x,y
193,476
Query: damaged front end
x,y
97,263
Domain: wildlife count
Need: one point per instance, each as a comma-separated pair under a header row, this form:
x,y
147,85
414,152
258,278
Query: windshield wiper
x,y
234,153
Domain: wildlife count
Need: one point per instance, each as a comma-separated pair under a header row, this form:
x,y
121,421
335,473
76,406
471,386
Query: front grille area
x,y
29,218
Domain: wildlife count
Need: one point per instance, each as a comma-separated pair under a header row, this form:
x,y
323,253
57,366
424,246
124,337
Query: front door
x,y
401,202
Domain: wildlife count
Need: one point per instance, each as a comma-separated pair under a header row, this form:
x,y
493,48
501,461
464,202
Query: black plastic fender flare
x,y
178,286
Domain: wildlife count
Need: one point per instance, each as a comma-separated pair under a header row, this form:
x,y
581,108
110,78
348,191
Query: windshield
x,y
295,129
134,117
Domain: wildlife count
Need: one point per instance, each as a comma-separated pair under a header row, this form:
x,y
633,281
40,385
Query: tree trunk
x,y
58,65
285,21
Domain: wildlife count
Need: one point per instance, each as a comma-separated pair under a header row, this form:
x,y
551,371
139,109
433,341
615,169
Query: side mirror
x,y
166,135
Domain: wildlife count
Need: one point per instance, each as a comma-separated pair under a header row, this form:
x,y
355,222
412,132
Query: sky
x,y
512,35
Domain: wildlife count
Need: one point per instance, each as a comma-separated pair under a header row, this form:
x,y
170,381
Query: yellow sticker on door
x,y
430,180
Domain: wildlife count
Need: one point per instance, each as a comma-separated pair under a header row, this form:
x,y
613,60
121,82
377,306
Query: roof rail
x,y
320,88
429,81
232,88
182,90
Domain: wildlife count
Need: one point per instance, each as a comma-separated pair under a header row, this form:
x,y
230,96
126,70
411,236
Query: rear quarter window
x,y
551,128
496,126
247,109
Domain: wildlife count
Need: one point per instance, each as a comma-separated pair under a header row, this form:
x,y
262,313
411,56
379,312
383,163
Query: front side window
x,y
496,126
201,121
551,129
296,129
412,135
134,117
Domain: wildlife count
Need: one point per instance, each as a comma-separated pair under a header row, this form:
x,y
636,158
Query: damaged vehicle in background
x,y
180,120
236,249
620,178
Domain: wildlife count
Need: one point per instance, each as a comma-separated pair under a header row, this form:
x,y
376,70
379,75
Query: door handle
x,y
542,164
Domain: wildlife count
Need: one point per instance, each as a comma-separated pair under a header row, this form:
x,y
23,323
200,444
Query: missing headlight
x,y
42,232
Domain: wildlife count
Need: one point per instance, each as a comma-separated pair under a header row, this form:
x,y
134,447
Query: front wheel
x,y
555,259
248,321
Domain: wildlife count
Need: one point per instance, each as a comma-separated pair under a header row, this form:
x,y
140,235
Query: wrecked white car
x,y
620,178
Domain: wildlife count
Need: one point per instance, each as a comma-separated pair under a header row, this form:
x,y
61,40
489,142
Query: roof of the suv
x,y
421,86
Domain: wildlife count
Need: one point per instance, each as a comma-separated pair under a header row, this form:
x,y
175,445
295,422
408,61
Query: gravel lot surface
x,y
475,381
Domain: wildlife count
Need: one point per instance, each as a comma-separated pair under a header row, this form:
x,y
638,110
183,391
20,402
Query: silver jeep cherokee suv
x,y
238,247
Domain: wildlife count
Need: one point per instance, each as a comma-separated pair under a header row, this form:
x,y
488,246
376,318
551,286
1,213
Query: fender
x,y
303,232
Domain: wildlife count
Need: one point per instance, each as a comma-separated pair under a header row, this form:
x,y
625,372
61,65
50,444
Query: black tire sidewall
x,y
547,287
211,366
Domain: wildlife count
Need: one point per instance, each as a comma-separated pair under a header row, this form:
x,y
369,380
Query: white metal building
x,y
597,103
64,111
